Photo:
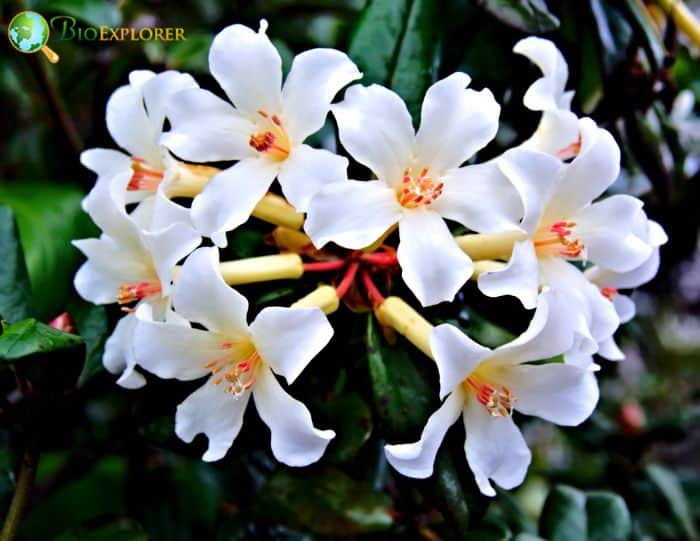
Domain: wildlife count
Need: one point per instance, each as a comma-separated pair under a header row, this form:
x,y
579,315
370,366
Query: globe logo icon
x,y
29,32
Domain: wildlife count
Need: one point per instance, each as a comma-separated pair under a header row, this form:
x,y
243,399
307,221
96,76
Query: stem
x,y
490,245
25,482
375,297
275,210
56,104
381,259
683,17
396,313
324,266
189,179
347,280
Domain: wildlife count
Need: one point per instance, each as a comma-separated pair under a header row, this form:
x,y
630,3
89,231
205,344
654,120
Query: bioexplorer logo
x,y
28,32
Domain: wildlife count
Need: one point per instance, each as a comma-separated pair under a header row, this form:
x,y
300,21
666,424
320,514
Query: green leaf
x,y
31,336
191,54
92,12
572,515
353,421
645,26
531,16
91,321
15,291
49,217
449,489
670,488
328,503
376,38
120,530
396,42
401,393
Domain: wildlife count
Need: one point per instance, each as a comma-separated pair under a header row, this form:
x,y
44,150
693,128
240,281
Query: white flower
x,y
610,282
485,386
135,117
264,131
240,360
562,225
558,131
419,181
127,264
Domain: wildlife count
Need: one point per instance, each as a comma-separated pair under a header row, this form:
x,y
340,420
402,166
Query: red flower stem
x,y
324,266
383,259
375,297
347,280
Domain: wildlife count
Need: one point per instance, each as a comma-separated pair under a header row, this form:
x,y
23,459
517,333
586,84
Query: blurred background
x,y
110,466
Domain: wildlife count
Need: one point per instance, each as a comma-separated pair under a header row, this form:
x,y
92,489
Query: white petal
x,y
129,126
105,162
106,206
417,459
352,214
119,354
614,232
495,448
548,334
288,338
166,213
231,195
555,132
159,89
138,78
520,277
535,176
205,128
547,93
376,129
294,440
167,247
456,356
481,198
657,236
432,265
248,68
594,169
455,123
306,171
213,412
626,280
174,351
560,393
201,295
314,79
96,286
610,350
624,306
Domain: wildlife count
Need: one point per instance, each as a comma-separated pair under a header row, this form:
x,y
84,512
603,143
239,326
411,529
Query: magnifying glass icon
x,y
28,32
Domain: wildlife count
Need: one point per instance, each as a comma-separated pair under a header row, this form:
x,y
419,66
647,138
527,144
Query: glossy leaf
x,y
353,421
15,290
93,12
670,488
328,503
91,321
530,16
49,217
30,336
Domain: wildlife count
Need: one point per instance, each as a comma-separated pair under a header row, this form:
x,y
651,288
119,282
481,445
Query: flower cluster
x,y
537,231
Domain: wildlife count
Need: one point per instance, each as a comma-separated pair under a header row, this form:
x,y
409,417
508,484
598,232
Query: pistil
x,y
421,190
129,293
497,399
556,240
272,141
144,177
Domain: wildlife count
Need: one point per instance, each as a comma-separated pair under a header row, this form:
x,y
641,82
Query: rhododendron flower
x,y
135,117
485,386
240,359
563,225
419,181
264,129
558,130
127,264
610,283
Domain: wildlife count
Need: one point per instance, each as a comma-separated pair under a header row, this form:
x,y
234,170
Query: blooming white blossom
x,y
264,129
135,117
485,386
562,225
610,282
419,181
239,358
128,264
558,131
